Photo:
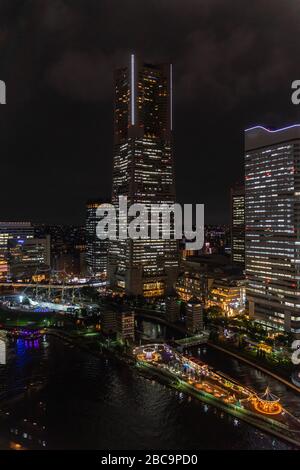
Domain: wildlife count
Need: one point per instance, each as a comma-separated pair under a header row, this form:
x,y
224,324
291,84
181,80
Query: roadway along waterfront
x,y
257,366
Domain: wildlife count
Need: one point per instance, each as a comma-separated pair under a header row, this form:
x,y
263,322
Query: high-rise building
x,y
109,321
96,249
125,326
238,225
272,163
194,316
143,171
29,259
18,231
68,248
173,305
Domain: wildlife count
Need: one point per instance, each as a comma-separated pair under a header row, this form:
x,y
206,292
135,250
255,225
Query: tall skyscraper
x,y
272,164
125,326
143,170
96,249
194,316
238,225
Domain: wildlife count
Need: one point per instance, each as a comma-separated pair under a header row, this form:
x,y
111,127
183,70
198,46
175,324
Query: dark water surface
x,y
249,376
95,403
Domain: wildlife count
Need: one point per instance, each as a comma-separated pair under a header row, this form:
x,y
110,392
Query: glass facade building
x,y
143,171
272,190
12,231
96,249
238,225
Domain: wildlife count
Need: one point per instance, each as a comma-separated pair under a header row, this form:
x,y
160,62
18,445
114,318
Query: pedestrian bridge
x,y
193,340
17,285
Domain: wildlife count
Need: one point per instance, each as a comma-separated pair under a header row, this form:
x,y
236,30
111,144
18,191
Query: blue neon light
x,y
272,132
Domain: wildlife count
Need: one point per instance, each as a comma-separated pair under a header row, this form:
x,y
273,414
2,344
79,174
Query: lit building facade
x,y
194,316
184,252
29,259
96,249
125,326
238,225
19,231
272,164
109,321
173,305
229,294
143,171
192,283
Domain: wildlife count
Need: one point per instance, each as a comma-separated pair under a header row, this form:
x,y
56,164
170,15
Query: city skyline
x,y
59,114
149,228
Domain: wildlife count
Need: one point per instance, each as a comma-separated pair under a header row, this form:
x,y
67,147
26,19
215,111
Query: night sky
x,y
234,61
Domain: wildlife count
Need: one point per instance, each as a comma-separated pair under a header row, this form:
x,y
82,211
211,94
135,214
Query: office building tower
x,y
272,164
228,293
238,225
173,305
29,259
194,316
12,231
96,249
125,326
3,344
143,170
109,321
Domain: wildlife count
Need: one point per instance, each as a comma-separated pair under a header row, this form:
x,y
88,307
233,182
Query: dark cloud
x,y
82,75
234,63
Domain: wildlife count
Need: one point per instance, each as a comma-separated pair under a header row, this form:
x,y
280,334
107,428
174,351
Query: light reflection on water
x,y
91,402
249,376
